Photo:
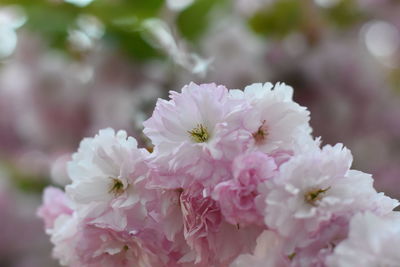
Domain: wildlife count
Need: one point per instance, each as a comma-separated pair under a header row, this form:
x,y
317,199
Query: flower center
x,y
315,195
117,187
199,134
291,256
261,134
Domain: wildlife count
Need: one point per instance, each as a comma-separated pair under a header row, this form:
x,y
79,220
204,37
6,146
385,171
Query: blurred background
x,y
71,67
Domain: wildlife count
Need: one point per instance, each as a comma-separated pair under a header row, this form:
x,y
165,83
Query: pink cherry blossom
x,y
55,203
214,242
235,179
202,219
107,173
238,197
315,187
274,120
372,241
79,244
188,131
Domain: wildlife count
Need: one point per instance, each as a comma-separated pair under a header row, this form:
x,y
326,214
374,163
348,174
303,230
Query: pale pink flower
x,y
235,179
62,235
213,241
201,220
55,203
186,132
372,241
322,245
274,120
315,187
79,244
107,173
188,122
238,197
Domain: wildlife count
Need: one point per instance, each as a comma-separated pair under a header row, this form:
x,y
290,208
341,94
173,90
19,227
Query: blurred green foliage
x,y
193,21
122,19
53,19
277,20
344,14
25,182
286,16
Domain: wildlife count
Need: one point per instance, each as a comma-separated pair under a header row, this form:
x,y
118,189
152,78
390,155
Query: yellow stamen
x,y
315,195
291,256
261,134
117,187
199,134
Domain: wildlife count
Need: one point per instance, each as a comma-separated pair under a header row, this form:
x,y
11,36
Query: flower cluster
x,y
235,178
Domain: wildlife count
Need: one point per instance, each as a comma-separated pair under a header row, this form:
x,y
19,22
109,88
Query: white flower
x,y
315,187
185,130
104,173
275,121
372,241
